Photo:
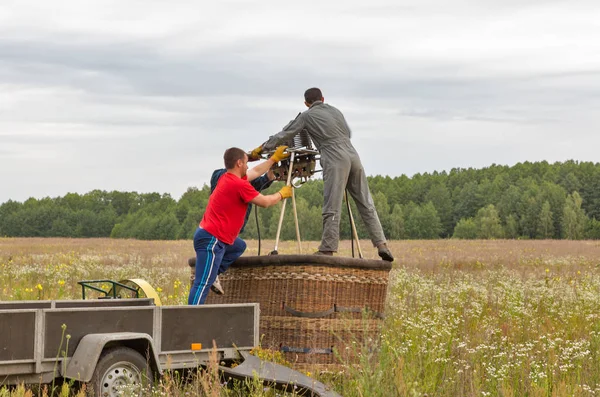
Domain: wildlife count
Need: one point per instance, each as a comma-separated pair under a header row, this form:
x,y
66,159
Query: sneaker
x,y
217,288
385,253
192,275
192,264
325,253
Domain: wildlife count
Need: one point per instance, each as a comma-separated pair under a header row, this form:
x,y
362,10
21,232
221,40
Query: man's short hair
x,y
312,94
232,155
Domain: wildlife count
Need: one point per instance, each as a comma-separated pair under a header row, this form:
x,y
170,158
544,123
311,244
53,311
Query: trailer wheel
x,y
121,371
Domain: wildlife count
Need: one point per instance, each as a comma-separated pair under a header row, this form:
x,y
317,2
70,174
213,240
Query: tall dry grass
x,y
468,318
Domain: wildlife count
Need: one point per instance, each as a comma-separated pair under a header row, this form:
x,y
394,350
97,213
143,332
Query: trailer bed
x,y
32,340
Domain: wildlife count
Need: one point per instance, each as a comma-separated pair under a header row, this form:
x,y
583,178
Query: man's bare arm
x,y
266,201
259,170
272,199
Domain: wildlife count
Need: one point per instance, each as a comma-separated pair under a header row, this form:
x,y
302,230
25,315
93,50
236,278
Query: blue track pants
x,y
213,257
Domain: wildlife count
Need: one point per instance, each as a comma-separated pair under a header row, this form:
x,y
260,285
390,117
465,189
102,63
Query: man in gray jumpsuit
x,y
342,170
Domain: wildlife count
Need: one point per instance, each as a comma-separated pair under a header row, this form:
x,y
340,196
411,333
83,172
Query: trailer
x,y
108,343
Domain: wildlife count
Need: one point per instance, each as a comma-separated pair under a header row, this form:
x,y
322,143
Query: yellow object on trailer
x,y
144,290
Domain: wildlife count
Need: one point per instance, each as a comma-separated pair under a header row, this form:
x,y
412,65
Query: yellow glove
x,y
286,192
279,154
254,155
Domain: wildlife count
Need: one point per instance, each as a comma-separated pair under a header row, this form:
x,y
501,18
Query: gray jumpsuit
x,y
342,170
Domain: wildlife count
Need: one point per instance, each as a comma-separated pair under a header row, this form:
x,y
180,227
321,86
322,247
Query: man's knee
x,y
331,216
240,245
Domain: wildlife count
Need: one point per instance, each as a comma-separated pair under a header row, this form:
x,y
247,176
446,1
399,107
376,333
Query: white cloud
x,y
145,95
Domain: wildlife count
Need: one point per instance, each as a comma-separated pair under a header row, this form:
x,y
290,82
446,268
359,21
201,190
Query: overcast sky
x,y
145,95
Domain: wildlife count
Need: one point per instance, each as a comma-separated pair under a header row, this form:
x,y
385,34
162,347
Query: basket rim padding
x,y
319,260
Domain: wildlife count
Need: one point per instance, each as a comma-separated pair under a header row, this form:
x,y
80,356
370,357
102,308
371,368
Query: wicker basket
x,y
318,340
312,307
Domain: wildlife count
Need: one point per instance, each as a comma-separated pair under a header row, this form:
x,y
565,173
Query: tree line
x,y
531,200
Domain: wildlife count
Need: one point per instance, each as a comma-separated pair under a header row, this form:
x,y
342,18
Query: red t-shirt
x,y
227,205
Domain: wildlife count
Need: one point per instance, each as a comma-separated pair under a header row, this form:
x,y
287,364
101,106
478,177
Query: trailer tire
x,y
121,368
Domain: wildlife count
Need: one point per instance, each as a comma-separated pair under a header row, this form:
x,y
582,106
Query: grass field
x,y
465,318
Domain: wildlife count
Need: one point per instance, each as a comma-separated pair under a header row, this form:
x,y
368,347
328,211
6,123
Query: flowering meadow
x,y
464,317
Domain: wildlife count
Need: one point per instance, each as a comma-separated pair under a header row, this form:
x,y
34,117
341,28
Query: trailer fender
x,y
82,364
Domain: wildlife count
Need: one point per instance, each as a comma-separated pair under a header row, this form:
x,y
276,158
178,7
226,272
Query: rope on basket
x,y
334,309
307,350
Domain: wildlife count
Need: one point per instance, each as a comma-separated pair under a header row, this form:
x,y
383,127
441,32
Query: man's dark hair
x,y
232,155
312,94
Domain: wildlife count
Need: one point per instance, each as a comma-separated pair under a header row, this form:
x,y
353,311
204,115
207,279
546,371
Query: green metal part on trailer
x,y
111,293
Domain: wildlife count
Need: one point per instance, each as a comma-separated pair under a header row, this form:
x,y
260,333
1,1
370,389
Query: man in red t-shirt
x,y
216,240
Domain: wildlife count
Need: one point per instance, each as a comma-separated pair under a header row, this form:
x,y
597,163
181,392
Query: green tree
x,y
590,190
94,224
8,224
422,222
154,221
288,227
383,211
167,226
574,218
488,223
592,230
309,221
345,225
556,196
123,202
519,194
545,223
465,229
311,191
509,203
440,196
570,182
182,210
194,198
397,223
511,229
487,192
529,207
60,228
466,201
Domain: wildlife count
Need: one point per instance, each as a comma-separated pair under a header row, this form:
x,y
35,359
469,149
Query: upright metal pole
x,y
289,179
349,213
354,232
296,222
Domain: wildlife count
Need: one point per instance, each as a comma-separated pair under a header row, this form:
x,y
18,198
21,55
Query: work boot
x,y
385,253
324,253
217,288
